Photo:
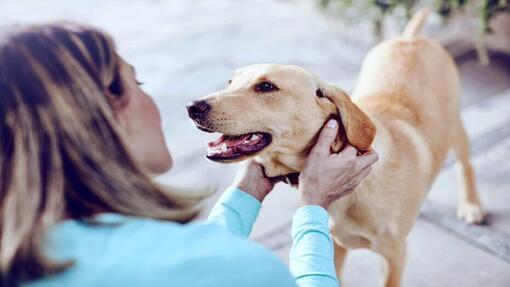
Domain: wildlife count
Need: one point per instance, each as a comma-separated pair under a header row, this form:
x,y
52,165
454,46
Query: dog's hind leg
x,y
340,254
469,206
394,260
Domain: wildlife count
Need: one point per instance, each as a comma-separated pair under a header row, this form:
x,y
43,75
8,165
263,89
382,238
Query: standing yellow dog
x,y
405,106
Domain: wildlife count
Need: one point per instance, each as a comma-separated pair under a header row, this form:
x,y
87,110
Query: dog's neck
x,y
284,167
291,178
278,164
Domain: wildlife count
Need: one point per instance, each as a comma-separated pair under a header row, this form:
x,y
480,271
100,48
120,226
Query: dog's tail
x,y
415,24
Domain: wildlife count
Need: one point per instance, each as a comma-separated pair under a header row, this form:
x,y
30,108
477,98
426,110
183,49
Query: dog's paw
x,y
470,213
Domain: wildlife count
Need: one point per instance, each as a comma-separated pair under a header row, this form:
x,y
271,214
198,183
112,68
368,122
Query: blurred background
x,y
185,49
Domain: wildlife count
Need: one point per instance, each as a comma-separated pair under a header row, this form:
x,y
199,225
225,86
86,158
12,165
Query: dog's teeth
x,y
254,137
223,147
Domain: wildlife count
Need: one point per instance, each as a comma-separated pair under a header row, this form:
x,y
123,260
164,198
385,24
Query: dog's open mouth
x,y
229,147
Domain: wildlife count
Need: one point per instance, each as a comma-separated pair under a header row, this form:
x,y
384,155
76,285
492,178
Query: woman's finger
x,y
362,174
371,154
365,160
345,192
326,138
348,152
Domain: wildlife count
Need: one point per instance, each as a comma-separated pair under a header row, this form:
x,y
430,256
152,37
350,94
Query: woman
x,y
78,138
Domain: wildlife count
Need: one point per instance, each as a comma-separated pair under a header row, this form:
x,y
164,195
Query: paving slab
x,y
435,258
480,82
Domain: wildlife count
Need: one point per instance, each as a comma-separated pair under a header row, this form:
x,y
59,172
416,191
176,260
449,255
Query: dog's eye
x,y
265,87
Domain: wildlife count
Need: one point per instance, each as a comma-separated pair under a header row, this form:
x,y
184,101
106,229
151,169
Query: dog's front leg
x,y
340,254
394,259
469,207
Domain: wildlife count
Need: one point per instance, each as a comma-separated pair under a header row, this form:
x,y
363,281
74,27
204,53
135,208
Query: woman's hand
x,y
250,179
327,177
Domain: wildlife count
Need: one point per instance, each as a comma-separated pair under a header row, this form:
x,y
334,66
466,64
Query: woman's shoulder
x,y
128,249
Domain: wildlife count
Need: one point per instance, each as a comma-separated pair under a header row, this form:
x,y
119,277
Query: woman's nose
x,y
198,110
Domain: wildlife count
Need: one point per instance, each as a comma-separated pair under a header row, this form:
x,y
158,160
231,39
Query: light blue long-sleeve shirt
x,y
132,251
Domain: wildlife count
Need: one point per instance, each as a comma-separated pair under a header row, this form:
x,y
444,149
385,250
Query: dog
x,y
405,106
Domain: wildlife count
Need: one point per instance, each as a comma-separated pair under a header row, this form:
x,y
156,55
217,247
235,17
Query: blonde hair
x,y
61,154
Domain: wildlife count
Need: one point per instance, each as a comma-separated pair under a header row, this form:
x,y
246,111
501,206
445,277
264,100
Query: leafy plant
x,y
377,10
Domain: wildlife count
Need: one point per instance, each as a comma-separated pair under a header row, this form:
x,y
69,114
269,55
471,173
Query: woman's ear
x,y
358,129
115,101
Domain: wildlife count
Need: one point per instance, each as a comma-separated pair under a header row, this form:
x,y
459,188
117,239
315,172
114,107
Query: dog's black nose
x,y
198,109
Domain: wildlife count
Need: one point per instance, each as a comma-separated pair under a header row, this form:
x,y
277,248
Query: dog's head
x,y
274,113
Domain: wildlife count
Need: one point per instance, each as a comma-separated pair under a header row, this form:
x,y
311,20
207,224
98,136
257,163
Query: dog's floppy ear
x,y
358,129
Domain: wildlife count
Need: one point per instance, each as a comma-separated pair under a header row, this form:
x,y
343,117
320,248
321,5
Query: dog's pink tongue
x,y
237,141
230,142
217,142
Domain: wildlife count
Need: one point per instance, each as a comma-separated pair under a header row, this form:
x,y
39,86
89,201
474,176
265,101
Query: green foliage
x,y
489,9
376,10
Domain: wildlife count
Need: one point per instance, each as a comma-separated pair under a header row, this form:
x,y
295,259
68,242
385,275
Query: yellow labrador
x,y
408,92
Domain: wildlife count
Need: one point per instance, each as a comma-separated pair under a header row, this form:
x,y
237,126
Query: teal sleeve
x,y
236,211
311,257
